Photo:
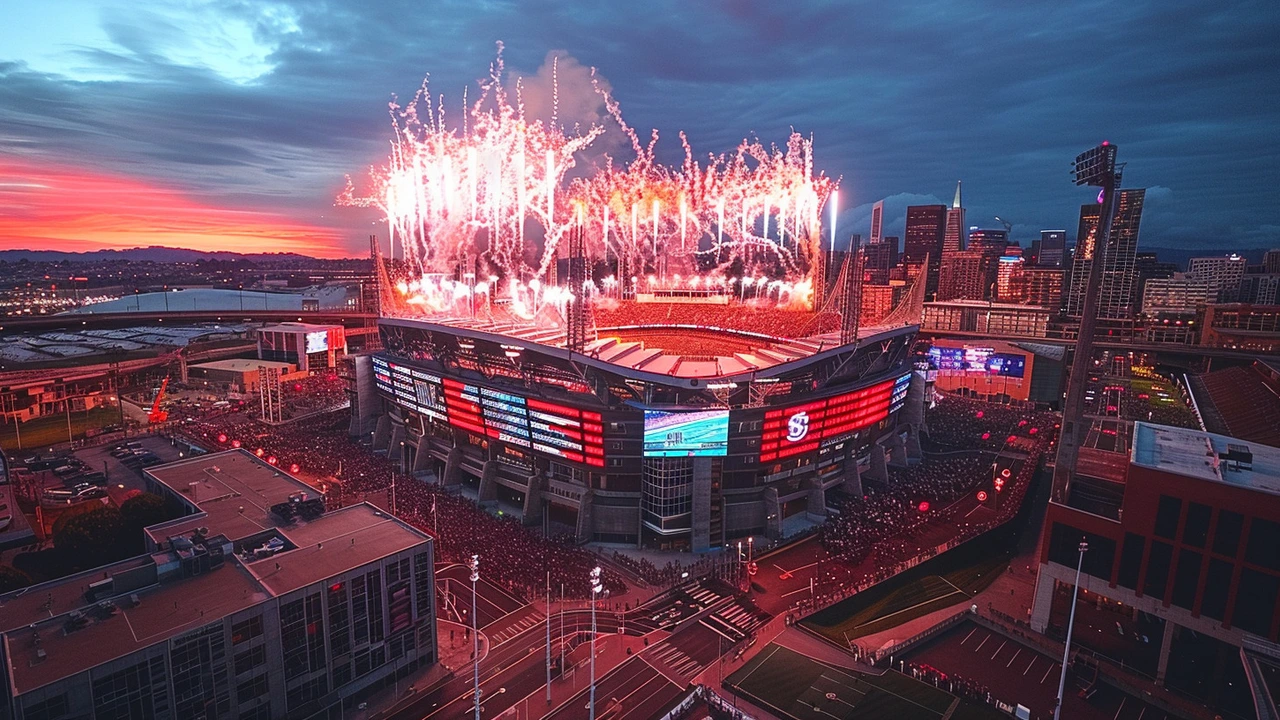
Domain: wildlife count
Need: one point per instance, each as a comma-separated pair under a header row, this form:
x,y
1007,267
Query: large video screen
x,y
978,360
317,341
680,433
803,428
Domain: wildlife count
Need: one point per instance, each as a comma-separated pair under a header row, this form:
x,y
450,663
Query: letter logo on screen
x,y
798,426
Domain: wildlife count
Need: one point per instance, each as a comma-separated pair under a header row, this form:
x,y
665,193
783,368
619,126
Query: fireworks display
x,y
480,209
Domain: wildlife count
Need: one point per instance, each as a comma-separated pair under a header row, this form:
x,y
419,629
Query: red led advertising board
x,y
803,428
575,435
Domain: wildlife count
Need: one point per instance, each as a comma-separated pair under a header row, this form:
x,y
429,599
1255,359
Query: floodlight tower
x,y
1096,168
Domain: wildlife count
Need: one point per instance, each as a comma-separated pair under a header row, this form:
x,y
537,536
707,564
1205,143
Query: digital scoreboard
x,y
803,428
550,428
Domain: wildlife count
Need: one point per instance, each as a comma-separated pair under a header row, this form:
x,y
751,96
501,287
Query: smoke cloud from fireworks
x,y
487,200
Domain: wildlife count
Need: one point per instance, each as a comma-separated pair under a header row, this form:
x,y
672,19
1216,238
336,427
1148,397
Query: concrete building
x,y
963,276
1178,295
255,604
1223,273
1271,262
1240,326
236,374
307,346
1038,286
1260,289
1182,532
1053,245
990,318
1006,269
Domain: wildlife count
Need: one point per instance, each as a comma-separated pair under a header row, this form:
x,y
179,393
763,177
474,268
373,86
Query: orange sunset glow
x,y
59,208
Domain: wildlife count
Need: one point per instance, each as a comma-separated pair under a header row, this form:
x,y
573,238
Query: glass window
x,y
1196,533
1158,562
1186,579
1131,560
1226,539
246,630
1256,601
1216,585
1264,544
1167,517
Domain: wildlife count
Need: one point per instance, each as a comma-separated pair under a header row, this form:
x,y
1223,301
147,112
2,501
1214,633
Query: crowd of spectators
x,y
320,448
312,394
885,531
749,317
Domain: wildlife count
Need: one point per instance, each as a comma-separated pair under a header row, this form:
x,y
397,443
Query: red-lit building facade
x,y
1183,560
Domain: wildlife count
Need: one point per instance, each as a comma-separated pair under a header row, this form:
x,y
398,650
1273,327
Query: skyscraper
x,y
1271,262
953,240
926,225
963,275
877,221
1053,244
1223,274
1116,298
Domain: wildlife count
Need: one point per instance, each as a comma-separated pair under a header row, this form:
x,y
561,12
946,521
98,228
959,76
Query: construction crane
x,y
157,415
1008,228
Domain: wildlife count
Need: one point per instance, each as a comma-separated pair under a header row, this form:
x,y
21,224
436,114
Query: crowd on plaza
x,y
320,447
887,529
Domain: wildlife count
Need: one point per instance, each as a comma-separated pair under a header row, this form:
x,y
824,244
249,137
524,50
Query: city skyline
x,y
246,119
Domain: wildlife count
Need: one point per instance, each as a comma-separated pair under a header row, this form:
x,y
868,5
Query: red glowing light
x,y
978,414
982,496
235,443
259,452
1033,431
271,460
1011,438
924,506
1022,423
297,387
1005,473
294,468
986,436
78,210
222,438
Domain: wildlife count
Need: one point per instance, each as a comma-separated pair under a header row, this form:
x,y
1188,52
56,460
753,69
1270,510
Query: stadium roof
x,y
218,300
242,365
1206,456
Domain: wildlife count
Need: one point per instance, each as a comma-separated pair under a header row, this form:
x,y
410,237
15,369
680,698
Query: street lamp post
x,y
597,588
1071,621
474,564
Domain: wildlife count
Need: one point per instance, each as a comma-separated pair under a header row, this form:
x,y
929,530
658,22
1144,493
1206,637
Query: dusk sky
x,y
231,124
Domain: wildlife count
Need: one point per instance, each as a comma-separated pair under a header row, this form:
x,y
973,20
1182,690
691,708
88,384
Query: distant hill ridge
x,y
141,254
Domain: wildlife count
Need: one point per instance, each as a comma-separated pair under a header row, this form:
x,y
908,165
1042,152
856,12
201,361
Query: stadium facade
x,y
720,435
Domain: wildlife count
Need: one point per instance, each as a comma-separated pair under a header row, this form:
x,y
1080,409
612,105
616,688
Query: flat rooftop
x,y
243,365
335,543
233,491
340,540
1195,454
165,610
297,327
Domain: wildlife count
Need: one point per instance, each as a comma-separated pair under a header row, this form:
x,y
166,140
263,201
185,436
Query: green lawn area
x,y
42,432
902,599
795,686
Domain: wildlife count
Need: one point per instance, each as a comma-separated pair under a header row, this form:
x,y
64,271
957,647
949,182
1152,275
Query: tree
x,y
12,578
93,537
144,510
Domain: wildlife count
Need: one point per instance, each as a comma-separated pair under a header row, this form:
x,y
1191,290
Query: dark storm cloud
x,y
902,99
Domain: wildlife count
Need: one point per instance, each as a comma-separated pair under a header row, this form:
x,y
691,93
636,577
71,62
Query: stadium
x,y
674,427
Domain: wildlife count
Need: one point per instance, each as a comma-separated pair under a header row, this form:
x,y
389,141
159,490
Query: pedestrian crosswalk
x,y
736,620
676,659
512,625
704,596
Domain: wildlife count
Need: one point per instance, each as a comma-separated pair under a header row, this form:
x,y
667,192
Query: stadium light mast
x,y
1071,621
1097,168
474,564
597,587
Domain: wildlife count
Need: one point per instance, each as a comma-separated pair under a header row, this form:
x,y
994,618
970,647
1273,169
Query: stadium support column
x,y
533,499
452,468
914,452
382,432
1162,665
772,514
577,331
421,456
913,411
586,526
488,482
851,294
897,450
879,467
815,499
852,473
700,539
1096,167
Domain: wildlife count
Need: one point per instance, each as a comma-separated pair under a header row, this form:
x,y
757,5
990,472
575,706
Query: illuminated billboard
x,y
901,387
317,341
682,433
978,360
566,432
803,428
